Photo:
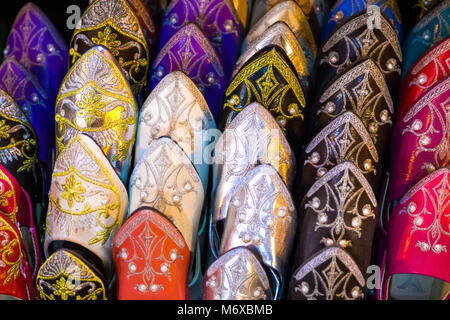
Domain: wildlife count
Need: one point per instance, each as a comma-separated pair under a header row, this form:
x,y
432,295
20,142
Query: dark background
x,y
56,11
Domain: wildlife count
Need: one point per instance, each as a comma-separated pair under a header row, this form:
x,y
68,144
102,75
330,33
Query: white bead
x,y
51,48
304,287
417,125
142,287
356,222
334,57
418,221
384,115
228,25
132,267
339,15
236,201
422,78
154,288
164,268
173,19
292,111
331,107
329,242
34,97
321,172
412,207
40,57
315,203
281,211
257,292
425,140
323,218
281,122
315,157
176,198
173,255
355,292
366,210
143,194
124,253
367,164
187,186
211,79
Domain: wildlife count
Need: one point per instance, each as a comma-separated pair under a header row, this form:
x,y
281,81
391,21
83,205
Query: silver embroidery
x,y
438,200
332,278
346,197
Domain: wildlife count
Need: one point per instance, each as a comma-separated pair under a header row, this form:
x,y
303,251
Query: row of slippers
x,y
87,118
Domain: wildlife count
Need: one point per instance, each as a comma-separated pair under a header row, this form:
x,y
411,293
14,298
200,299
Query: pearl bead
x,y
425,140
236,201
187,186
367,165
173,255
334,57
343,243
412,207
132,267
160,72
418,221
323,218
176,198
173,19
40,57
356,292
26,108
211,78
438,248
304,287
321,172
356,222
367,210
228,25
329,242
391,64
315,203
257,292
373,127
26,136
34,97
143,194
426,35
292,111
154,287
384,115
339,15
142,287
281,212
281,122
422,78
164,268
315,157
137,182
330,107
51,48
417,125
429,167
124,253
5,52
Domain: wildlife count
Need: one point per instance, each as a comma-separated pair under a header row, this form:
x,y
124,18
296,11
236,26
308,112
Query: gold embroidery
x,y
8,246
108,40
73,191
267,85
64,276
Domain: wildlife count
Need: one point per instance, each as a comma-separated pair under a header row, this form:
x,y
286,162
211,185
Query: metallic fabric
x,y
344,9
216,18
261,216
114,25
236,275
96,99
151,258
421,140
352,40
36,43
87,201
252,138
279,34
19,148
431,29
190,51
176,109
270,79
67,276
165,179
35,103
290,13
315,11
